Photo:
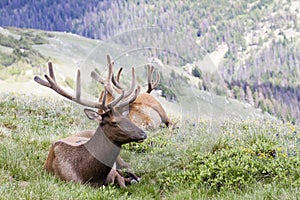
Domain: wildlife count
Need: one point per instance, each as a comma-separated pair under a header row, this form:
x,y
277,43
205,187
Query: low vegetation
x,y
207,159
18,56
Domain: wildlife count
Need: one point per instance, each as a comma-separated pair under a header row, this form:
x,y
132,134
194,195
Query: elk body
x,y
146,112
88,157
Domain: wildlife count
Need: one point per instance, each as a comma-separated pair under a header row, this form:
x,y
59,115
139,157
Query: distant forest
x,y
261,67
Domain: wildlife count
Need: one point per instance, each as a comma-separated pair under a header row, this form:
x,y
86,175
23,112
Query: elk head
x,y
116,127
145,111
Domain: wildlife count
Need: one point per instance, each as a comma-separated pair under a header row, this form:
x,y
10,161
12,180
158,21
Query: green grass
x,y
255,159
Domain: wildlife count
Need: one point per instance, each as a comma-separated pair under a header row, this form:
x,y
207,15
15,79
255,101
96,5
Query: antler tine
x,y
51,71
97,78
110,74
152,84
109,77
155,84
41,81
150,71
116,101
54,86
116,80
119,74
104,96
133,84
122,105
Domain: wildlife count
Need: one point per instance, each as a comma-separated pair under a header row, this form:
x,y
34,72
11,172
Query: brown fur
x,y
144,102
120,163
76,158
146,112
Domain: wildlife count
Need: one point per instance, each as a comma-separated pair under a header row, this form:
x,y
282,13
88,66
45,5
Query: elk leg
x,y
120,180
121,164
114,177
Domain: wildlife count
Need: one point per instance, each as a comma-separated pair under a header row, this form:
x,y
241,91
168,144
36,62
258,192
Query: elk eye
x,y
114,123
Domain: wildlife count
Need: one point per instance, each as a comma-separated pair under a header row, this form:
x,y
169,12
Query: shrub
x,y
197,72
235,165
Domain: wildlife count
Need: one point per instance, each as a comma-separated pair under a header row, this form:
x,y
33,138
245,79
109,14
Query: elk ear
x,y
125,113
92,115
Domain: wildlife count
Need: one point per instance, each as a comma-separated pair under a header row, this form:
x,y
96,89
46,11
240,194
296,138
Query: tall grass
x,y
202,160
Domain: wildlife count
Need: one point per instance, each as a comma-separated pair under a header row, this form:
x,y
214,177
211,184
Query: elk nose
x,y
143,136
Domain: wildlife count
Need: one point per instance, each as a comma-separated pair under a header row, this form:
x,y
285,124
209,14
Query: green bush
x,y
8,41
151,145
7,60
236,165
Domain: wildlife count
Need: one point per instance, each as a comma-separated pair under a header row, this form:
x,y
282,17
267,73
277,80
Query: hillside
x,y
69,51
249,49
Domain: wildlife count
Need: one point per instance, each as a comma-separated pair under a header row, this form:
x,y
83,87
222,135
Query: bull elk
x,y
90,160
146,112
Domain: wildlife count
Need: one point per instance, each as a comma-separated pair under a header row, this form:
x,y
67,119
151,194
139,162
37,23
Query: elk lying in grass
x,y
145,112
90,160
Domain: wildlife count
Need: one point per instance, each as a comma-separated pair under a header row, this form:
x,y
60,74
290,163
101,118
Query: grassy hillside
x,y
235,159
69,52
253,45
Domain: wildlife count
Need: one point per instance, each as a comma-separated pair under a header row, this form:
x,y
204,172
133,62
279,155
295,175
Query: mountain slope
x,y
69,51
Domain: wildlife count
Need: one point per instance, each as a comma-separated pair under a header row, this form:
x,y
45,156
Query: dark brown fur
x,y
76,158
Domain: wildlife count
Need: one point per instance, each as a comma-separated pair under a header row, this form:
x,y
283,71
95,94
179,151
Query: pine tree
x,y
249,97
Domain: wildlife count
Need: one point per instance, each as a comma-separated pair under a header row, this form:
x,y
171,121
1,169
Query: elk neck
x,y
102,148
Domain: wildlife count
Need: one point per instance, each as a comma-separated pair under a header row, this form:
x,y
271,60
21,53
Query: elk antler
x,y
152,84
107,82
51,83
114,81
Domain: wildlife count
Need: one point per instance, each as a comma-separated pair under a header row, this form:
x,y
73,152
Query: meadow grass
x,y
257,159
